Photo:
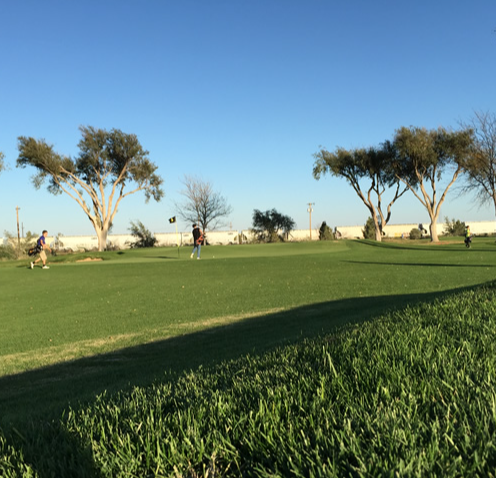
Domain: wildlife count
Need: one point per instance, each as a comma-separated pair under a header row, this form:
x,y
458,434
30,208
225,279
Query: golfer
x,y
197,239
42,245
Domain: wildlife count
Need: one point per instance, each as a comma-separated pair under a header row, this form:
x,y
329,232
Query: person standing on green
x,y
197,239
468,238
42,245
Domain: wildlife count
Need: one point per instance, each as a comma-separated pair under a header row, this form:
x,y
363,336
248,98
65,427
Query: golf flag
x,y
172,220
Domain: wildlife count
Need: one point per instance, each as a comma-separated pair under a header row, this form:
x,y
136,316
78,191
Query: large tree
x,y
369,169
110,166
423,157
202,204
480,167
267,225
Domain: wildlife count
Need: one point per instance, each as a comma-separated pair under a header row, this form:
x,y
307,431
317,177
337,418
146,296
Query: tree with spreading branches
x,y
268,225
111,165
370,174
423,157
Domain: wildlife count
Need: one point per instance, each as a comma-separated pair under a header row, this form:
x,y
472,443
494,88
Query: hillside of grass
x,y
82,328
83,338
410,393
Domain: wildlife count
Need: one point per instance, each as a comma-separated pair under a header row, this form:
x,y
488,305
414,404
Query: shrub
x,y
144,236
369,229
7,252
415,233
15,249
453,227
325,233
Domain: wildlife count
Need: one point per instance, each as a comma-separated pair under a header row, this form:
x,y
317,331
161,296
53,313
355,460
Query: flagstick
x,y
177,239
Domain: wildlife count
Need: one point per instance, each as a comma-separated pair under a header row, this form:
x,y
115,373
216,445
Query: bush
x,y
325,233
15,249
415,233
144,236
7,252
369,229
453,227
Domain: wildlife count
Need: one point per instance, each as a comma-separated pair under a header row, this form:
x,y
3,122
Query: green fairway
x,y
80,328
264,359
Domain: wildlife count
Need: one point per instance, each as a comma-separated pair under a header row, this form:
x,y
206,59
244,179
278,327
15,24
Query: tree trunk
x,y
378,232
494,201
102,238
433,230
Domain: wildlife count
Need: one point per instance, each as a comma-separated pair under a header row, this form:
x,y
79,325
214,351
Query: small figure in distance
x,y
468,236
41,246
197,239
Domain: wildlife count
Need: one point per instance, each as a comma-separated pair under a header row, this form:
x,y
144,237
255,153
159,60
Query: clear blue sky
x,y
239,93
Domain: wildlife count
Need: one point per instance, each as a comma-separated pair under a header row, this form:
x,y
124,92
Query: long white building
x,y
123,241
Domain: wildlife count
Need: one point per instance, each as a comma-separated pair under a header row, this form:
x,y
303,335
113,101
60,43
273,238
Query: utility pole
x,y
310,210
18,234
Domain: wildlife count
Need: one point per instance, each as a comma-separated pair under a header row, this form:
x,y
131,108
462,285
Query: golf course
x,y
325,358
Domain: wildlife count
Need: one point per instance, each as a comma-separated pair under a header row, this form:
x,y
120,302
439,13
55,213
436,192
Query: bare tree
x,y
2,164
480,167
202,204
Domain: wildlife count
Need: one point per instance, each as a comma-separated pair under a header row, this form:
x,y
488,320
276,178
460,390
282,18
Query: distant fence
x,y
392,231
123,241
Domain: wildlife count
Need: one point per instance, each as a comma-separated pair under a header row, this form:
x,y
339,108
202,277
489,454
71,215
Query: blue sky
x,y
238,93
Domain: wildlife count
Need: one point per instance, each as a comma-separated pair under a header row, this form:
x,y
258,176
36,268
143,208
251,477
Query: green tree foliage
x,y
110,166
325,233
2,163
368,230
370,174
144,238
453,227
423,156
268,225
480,167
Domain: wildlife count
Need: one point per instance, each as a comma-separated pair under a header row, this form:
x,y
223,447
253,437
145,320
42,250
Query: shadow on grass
x,y
169,258
450,247
32,403
420,264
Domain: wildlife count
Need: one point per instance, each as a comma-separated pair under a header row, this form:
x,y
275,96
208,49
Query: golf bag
x,y
35,250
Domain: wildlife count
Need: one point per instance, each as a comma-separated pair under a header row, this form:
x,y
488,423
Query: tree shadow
x,y
432,246
32,403
169,258
420,264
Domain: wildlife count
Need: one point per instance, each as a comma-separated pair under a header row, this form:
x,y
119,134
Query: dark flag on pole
x,y
172,220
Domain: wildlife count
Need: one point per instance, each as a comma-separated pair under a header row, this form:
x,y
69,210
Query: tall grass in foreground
x,y
411,393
